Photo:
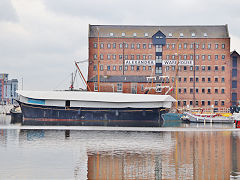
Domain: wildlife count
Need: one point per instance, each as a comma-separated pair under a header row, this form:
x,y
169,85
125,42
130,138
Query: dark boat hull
x,y
74,116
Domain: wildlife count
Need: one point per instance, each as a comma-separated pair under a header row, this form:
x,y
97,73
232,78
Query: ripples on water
x,y
55,154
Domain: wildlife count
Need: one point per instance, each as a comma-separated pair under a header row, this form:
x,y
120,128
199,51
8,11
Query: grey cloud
x,y
7,12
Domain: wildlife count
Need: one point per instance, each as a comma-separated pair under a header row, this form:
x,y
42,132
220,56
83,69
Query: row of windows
x,y
193,34
203,103
203,91
149,46
197,57
159,58
126,57
120,68
203,79
197,68
195,45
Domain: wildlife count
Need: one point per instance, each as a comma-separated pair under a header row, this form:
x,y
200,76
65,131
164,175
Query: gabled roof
x,y
234,53
210,31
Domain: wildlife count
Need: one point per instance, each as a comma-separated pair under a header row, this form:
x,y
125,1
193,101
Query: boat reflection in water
x,y
54,154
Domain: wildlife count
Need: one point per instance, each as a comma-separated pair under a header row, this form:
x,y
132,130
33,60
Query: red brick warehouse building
x,y
155,51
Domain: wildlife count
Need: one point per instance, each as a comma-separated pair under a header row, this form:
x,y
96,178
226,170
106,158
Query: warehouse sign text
x,y
140,62
174,62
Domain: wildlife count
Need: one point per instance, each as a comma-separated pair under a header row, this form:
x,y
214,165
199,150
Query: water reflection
x,y
31,154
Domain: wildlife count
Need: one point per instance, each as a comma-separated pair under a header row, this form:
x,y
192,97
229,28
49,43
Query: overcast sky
x,y
41,39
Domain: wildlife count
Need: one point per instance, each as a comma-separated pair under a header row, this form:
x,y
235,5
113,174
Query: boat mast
x,y
88,88
98,64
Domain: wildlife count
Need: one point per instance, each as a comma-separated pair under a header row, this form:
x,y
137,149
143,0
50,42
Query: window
x,y
209,57
167,68
234,72
134,34
132,46
203,57
95,86
234,62
222,103
223,91
132,57
179,79
216,103
223,68
191,57
216,46
142,87
158,59
184,79
193,34
191,79
203,79
126,57
144,46
216,91
108,68
173,68
114,68
185,68
179,90
120,68
120,45
203,68
216,79
184,57
216,68
181,34
197,46
197,79
94,56
144,68
203,91
125,68
209,79
209,91
223,79
216,57
185,45
167,57
94,67
191,90
138,46
149,68
205,34
197,90
95,45
132,67
223,57
191,46
197,57
167,46
196,103
179,46
179,103
191,68
101,67
138,67
223,46
125,45
149,57
234,96
170,34
173,46
209,68
123,34
114,45
203,46
120,56
101,45
209,103
138,56
109,46
197,68
109,56
149,46
144,57
158,48
146,34
114,56
185,90
184,103
209,46
101,56
111,34
119,87
203,103
234,84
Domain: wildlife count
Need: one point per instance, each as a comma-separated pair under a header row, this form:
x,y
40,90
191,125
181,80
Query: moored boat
x,y
84,108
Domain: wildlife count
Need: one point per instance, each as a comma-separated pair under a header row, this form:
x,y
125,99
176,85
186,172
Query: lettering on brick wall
x,y
140,62
174,62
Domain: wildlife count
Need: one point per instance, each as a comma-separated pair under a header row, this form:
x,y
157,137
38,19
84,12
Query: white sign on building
x,y
174,62
140,62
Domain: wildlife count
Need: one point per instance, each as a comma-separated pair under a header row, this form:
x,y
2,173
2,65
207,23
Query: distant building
x,y
235,78
130,55
7,89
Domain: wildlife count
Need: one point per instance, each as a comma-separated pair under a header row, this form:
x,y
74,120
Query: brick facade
x,y
216,51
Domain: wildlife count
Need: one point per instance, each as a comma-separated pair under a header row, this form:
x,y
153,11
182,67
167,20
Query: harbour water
x,y
189,151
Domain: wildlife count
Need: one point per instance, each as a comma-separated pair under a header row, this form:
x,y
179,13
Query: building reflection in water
x,y
196,155
122,155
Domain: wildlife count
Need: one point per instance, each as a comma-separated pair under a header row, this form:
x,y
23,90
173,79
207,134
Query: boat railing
x,y
204,110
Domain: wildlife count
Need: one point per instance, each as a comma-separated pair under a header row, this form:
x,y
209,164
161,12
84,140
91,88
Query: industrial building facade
x,y
8,89
136,59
